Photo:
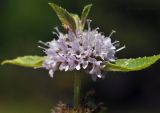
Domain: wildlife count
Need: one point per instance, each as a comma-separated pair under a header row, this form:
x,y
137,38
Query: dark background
x,y
24,22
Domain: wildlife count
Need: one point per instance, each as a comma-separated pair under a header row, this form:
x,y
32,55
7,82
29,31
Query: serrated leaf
x,y
26,61
85,13
132,64
64,16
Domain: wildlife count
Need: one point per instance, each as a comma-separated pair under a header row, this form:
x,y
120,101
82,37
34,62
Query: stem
x,y
77,87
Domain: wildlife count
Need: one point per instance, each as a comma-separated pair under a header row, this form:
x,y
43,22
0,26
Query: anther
x,y
113,31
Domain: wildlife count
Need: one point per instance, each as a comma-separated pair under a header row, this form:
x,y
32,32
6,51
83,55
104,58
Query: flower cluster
x,y
64,108
86,49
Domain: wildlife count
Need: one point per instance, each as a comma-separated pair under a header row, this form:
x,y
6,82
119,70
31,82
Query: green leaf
x,y
26,61
85,13
77,21
126,65
64,16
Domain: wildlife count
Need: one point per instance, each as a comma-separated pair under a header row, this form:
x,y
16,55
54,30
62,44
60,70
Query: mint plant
x,y
81,49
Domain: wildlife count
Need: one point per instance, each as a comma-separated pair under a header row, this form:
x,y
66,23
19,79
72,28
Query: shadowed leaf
x,y
64,16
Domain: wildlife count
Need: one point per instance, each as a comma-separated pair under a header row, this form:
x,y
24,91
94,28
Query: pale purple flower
x,y
87,49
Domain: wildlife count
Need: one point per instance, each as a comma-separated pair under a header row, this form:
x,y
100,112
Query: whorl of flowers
x,y
87,49
64,108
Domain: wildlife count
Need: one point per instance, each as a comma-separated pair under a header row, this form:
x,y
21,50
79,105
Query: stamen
x,y
99,76
55,33
44,43
44,51
42,47
97,28
113,31
115,42
56,28
89,24
37,67
117,45
120,48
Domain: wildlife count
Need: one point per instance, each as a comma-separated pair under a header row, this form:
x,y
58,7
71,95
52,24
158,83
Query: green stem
x,y
77,87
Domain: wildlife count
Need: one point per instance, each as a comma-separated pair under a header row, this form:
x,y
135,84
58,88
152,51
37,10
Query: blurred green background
x,y
24,22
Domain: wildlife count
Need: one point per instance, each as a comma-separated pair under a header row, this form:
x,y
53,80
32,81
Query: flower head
x,y
87,49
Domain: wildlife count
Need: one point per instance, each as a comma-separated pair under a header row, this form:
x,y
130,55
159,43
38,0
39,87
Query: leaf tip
x,y
50,4
4,62
53,5
90,5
